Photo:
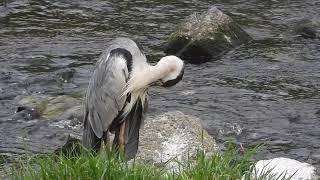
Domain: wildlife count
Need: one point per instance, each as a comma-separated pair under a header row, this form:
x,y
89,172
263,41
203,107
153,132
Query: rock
x,y
307,28
65,75
202,37
170,136
53,107
58,105
74,114
285,168
26,113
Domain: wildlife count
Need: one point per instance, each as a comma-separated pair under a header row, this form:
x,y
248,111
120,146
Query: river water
x,y
265,92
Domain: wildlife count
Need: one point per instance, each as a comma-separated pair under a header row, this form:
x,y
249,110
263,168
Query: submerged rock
x,y
65,75
26,113
307,28
173,136
54,107
285,168
202,37
74,114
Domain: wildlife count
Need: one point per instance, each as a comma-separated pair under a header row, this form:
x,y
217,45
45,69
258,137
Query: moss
x,y
205,37
51,106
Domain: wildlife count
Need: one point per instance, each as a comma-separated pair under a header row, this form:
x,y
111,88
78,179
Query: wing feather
x,y
103,97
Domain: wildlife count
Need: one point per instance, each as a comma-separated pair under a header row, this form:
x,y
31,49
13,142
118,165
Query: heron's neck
x,y
157,72
140,80
142,77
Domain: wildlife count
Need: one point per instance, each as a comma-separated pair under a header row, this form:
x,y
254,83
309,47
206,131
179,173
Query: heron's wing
x,y
103,98
134,120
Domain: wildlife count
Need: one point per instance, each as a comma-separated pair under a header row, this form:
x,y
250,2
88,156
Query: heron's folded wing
x,y
103,99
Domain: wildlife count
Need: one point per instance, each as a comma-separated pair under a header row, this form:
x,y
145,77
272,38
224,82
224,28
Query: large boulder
x,y
206,36
285,168
173,136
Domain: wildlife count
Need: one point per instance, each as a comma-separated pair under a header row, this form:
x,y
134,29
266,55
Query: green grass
x,y
232,164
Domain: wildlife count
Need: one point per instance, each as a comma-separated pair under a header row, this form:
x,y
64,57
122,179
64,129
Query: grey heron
x,y
116,99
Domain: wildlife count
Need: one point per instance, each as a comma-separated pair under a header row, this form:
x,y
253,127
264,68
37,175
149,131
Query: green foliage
x,y
85,165
232,164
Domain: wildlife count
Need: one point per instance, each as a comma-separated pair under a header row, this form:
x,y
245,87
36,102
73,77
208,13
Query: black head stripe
x,y
174,81
125,53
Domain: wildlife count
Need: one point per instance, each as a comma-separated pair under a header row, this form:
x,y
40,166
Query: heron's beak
x,y
157,83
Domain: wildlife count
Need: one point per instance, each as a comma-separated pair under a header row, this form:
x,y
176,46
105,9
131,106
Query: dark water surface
x,y
264,92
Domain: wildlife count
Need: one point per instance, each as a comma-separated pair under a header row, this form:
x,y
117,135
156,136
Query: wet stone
x,y
307,29
54,107
26,113
65,75
171,136
294,118
203,37
74,114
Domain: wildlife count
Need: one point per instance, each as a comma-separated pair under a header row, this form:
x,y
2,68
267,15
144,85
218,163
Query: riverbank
x,y
232,164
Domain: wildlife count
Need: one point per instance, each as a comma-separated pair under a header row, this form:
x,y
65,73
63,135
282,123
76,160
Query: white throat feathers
x,y
143,75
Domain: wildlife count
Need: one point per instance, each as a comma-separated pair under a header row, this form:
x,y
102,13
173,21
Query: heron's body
x,y
116,98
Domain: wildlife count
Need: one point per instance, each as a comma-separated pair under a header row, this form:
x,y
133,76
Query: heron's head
x,y
174,69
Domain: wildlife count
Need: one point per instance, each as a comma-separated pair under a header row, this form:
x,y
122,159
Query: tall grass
x,y
83,165
232,164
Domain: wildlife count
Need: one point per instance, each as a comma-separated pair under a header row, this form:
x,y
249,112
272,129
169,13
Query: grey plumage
x,y
104,103
116,98
89,139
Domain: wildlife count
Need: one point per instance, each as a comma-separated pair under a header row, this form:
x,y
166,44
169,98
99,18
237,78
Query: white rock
x,y
173,136
285,168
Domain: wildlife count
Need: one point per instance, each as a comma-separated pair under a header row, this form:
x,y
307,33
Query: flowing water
x,y
265,92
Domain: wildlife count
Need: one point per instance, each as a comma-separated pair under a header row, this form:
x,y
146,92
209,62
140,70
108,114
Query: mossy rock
x,y
203,37
53,107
